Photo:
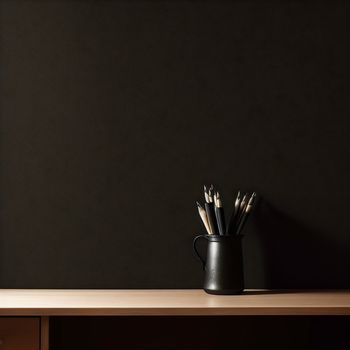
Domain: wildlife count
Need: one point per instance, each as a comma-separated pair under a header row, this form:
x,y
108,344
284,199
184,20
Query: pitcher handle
x,y
202,260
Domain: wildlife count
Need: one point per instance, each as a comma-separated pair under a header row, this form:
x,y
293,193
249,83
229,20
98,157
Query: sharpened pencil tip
x,y
238,196
252,198
199,205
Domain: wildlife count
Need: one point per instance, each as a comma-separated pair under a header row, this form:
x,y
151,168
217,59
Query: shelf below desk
x,y
186,302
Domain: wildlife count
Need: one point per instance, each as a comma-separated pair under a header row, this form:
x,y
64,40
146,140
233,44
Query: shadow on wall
x,y
296,256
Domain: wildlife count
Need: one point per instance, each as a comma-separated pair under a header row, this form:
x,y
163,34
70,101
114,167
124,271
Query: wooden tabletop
x,y
44,302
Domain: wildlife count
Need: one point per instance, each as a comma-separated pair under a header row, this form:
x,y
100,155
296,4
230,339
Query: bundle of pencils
x,y
213,216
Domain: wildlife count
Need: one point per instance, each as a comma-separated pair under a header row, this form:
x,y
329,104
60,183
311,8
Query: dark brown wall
x,y
114,114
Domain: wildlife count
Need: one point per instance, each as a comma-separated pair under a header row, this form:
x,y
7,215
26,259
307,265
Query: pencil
x,y
209,208
231,225
246,213
219,213
204,218
241,210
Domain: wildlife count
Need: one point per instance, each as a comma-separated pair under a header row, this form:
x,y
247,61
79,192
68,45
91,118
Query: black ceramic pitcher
x,y
223,265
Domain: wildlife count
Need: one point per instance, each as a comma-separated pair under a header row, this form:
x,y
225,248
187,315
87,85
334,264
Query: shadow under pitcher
x,y
223,264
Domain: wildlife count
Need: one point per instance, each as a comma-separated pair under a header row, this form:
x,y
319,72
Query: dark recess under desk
x,y
204,332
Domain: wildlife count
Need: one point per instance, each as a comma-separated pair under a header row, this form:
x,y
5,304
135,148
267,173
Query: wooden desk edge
x,y
214,311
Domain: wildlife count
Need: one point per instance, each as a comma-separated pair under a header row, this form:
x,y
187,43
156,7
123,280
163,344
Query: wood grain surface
x,y
172,302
